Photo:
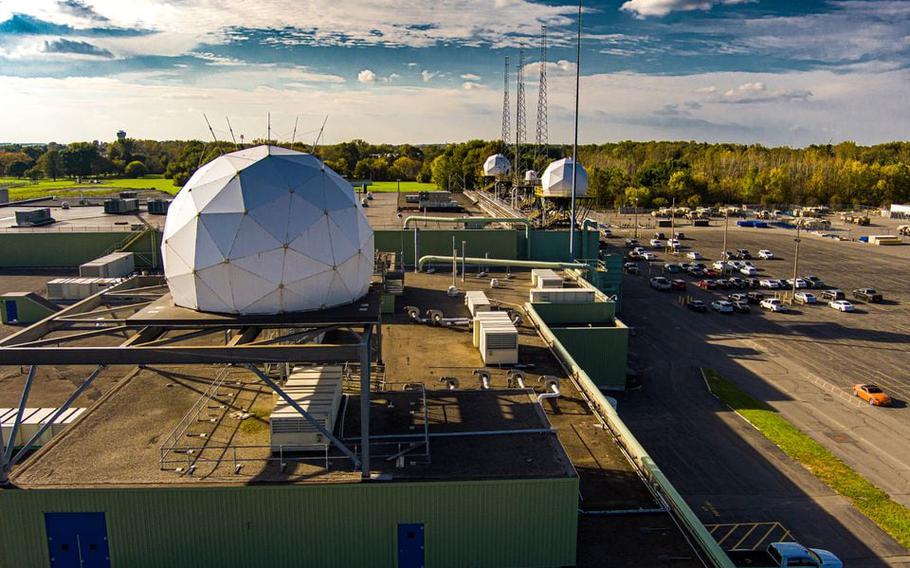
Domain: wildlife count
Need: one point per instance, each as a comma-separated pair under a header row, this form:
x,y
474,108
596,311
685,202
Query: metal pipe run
x,y
500,262
485,220
624,512
551,385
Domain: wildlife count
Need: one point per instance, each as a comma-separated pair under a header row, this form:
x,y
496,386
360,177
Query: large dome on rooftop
x,y
496,165
556,180
266,230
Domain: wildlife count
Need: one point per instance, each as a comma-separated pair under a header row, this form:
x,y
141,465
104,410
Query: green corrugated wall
x,y
601,351
596,313
68,249
501,523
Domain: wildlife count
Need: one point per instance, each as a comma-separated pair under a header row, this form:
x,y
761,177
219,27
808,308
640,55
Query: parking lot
x,y
803,362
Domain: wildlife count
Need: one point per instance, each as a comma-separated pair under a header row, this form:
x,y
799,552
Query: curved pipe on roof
x,y
485,220
551,385
499,262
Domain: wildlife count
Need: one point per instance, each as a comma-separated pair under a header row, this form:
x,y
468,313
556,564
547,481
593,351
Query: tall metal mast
x,y
506,118
543,135
575,142
520,118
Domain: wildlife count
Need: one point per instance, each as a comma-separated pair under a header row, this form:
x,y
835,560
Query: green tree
x,y
51,162
135,169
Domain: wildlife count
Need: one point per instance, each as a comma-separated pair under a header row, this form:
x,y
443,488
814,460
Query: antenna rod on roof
x,y
294,135
268,138
209,124
318,136
231,130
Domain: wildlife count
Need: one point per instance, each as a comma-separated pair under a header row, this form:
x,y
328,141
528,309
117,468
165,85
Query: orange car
x,y
872,394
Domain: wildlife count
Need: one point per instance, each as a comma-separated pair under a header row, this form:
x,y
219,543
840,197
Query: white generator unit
x,y
33,423
66,419
32,420
492,317
317,390
77,288
546,278
499,343
477,301
114,265
561,295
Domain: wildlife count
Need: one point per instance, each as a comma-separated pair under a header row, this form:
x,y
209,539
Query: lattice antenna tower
x,y
506,118
520,115
543,135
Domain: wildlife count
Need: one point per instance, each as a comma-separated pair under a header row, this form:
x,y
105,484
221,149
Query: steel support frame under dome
x,y
136,314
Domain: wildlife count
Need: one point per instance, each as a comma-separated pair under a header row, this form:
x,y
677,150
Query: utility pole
x,y
795,262
723,253
673,219
635,216
575,141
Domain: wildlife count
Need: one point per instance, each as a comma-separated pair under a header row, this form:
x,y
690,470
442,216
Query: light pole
x,y
635,216
723,253
795,262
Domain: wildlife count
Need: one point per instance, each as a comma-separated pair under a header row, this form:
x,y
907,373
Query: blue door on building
x,y
12,311
410,546
77,540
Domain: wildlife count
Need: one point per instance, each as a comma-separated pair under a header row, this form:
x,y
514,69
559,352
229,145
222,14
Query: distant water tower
x,y
121,134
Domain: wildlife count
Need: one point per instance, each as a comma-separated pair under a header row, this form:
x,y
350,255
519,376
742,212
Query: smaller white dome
x,y
496,165
531,175
557,179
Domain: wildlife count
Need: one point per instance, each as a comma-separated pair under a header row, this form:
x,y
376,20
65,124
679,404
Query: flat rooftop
x,y
82,218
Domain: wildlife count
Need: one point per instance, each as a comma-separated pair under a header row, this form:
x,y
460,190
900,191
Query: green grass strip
x,y
892,517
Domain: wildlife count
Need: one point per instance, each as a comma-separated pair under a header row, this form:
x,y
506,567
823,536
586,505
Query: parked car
x,y
631,243
769,284
867,295
872,394
660,283
723,283
678,235
673,243
800,283
696,271
738,283
719,265
631,268
785,555
755,297
841,305
711,273
697,306
773,305
656,243
722,306
748,270
833,294
765,254
606,232
805,298
660,236
737,297
672,268
729,255
648,256
741,306
678,284
694,255
744,254
706,284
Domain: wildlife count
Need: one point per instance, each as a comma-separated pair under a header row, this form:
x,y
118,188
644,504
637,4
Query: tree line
x,y
649,174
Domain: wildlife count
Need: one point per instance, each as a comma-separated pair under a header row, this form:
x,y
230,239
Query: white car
x,y
773,304
841,305
722,306
694,255
770,284
737,264
748,271
660,283
673,243
765,254
805,298
719,265
648,256
800,283
657,243
607,233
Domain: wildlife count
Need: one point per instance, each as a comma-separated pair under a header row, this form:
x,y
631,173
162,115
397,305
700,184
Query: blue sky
x,y
768,71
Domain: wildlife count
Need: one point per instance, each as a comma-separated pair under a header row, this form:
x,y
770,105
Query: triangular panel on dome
x,y
252,238
298,266
217,279
268,265
174,264
207,250
223,229
365,232
337,196
314,243
183,290
183,242
182,211
315,288
271,303
210,300
343,247
204,193
274,216
214,170
338,292
294,302
246,287
356,274
302,214
262,183
228,200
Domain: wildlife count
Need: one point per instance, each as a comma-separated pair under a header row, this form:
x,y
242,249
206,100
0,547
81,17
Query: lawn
x,y
392,186
871,501
27,189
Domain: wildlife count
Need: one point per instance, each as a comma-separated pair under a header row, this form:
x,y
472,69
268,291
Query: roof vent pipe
x,y
551,388
484,378
516,379
450,382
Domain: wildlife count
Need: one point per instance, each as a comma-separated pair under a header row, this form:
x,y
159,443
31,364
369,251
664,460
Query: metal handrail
x,y
193,413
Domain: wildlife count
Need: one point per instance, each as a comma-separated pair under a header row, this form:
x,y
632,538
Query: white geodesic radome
x,y
266,230
556,180
496,165
531,175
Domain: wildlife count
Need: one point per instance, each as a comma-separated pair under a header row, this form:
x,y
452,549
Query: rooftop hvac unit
x,y
4,195
33,423
553,279
482,317
499,344
114,265
34,217
118,206
158,206
562,295
317,390
9,418
477,302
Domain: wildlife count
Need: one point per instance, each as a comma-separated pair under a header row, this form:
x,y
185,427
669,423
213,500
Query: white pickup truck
x,y
785,555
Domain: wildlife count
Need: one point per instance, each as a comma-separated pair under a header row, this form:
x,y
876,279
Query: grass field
x,y
871,501
26,189
392,186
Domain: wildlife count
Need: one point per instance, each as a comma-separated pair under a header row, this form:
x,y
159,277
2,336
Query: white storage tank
x,y
562,295
557,179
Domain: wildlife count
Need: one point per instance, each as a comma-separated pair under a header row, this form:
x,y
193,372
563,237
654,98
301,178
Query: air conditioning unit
x,y
499,344
317,390
491,317
562,295
477,301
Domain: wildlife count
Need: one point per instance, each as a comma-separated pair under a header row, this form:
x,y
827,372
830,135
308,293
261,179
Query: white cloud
x,y
427,76
758,92
470,85
470,77
645,8
366,76
412,64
